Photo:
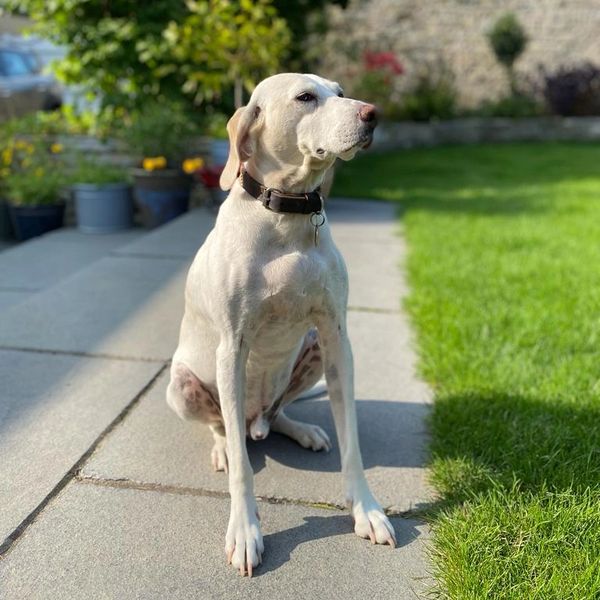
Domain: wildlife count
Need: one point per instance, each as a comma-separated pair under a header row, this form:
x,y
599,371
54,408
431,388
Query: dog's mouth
x,y
362,143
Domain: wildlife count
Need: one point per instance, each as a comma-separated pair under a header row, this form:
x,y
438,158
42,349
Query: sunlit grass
x,y
504,264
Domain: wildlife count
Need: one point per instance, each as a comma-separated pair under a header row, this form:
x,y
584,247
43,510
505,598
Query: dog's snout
x,y
368,114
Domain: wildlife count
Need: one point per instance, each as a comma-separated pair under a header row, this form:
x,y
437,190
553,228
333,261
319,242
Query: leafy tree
x,y
221,43
127,50
508,40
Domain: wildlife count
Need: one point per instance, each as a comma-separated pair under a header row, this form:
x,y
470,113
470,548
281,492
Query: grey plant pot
x,y
219,151
103,208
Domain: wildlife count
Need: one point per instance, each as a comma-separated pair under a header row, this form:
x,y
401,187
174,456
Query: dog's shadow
x,y
391,435
280,545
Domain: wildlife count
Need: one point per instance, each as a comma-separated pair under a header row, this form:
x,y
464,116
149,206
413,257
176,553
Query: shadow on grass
x,y
492,440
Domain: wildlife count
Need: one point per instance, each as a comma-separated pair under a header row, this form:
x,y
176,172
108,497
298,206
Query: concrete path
x,y
44,261
106,494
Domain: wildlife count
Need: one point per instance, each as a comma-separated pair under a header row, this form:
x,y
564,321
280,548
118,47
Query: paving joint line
x,y
18,288
124,483
10,541
83,354
379,311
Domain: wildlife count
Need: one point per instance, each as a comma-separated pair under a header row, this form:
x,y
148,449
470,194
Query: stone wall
x,y
425,32
395,136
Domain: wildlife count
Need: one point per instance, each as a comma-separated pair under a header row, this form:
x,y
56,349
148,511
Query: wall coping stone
x,y
477,130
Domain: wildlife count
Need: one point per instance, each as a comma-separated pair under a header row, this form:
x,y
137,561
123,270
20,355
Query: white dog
x,y
266,297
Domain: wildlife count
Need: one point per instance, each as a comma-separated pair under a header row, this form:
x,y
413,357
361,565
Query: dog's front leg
x,y
243,542
369,519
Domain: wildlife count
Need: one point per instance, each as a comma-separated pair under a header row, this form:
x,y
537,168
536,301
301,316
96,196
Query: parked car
x,y
24,88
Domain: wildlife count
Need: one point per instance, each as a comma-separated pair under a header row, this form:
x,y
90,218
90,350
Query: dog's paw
x,y
370,522
243,542
218,457
313,437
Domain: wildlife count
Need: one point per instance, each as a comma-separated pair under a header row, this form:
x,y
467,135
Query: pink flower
x,y
382,61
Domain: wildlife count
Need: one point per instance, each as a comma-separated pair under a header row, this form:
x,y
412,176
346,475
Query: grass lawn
x,y
504,264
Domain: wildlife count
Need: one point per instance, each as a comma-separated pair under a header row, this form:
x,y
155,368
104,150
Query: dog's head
x,y
294,119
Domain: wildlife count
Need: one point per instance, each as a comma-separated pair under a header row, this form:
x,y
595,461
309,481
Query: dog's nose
x,y
368,114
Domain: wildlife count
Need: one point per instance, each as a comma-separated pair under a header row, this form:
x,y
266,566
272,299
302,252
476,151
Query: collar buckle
x,y
265,197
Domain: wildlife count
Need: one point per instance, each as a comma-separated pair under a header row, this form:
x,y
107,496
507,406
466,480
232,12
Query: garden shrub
x,y
377,82
508,39
573,91
516,105
433,97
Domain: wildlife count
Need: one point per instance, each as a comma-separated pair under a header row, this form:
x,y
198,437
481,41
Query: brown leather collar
x,y
282,202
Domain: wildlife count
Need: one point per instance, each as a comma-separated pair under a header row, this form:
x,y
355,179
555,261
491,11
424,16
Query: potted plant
x,y
102,195
209,175
219,143
32,183
160,135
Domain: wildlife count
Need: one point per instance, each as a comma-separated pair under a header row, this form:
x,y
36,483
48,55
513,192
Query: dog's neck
x,y
296,179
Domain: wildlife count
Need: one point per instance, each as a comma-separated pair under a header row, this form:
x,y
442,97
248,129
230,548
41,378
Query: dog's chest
x,y
291,300
295,286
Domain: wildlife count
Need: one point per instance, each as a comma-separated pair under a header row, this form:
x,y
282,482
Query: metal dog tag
x,y
316,220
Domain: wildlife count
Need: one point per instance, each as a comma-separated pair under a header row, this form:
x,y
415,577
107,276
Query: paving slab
x,y
45,260
384,360
367,235
381,291
153,445
392,402
6,244
51,410
367,220
100,543
10,298
118,306
180,238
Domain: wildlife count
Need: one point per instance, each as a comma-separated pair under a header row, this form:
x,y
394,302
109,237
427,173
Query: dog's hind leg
x,y
307,371
190,398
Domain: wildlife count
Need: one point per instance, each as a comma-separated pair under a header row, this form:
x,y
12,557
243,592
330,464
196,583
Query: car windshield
x,y
14,63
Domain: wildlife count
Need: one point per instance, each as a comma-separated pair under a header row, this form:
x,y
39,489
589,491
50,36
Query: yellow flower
x,y
56,148
25,163
39,172
190,165
7,155
151,163
21,144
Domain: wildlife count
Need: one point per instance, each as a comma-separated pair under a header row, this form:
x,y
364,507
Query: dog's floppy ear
x,y
240,145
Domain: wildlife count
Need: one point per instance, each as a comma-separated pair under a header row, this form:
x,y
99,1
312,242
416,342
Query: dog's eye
x,y
306,97
340,94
